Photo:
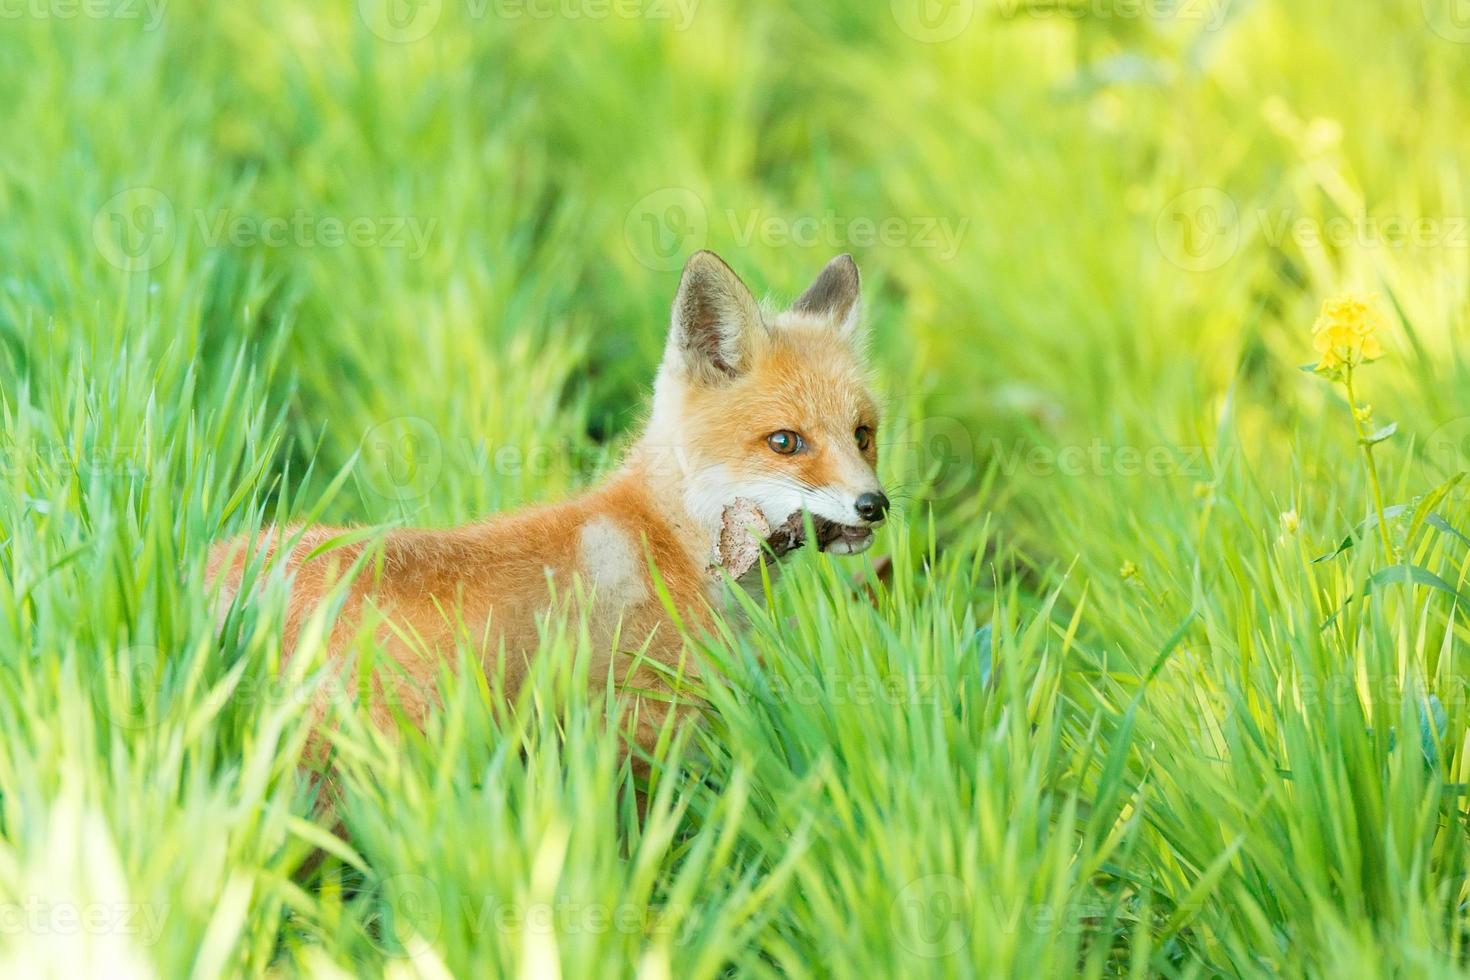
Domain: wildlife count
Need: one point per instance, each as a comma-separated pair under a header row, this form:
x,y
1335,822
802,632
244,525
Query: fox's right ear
x,y
716,321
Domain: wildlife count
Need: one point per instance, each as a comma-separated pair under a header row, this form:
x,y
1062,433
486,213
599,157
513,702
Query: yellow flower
x,y
1346,332
1128,570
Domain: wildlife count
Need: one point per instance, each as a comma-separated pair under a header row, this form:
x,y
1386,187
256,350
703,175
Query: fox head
x,y
775,408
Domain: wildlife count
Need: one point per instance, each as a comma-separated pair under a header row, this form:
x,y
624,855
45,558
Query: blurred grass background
x,y
411,262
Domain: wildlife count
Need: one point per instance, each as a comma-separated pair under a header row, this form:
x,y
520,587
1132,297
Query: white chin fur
x,y
849,546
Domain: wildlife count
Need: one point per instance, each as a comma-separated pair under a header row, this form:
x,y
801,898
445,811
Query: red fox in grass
x,y
758,419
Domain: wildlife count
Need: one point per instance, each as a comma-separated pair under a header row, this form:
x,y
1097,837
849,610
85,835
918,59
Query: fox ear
x,y
716,320
836,296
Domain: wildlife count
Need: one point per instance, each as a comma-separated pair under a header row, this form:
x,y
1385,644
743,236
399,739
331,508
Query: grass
x,y
261,262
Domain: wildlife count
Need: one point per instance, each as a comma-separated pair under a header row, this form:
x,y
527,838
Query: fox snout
x,y
872,506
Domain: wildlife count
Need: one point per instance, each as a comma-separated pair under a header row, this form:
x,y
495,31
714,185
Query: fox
x,y
762,423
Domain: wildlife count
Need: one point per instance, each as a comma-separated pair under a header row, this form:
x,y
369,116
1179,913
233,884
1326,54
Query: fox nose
x,y
872,506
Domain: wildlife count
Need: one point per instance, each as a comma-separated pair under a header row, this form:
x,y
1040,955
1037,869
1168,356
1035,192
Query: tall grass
x,y
1112,715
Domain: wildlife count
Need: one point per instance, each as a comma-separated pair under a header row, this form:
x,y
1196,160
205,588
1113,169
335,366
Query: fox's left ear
x,y
836,296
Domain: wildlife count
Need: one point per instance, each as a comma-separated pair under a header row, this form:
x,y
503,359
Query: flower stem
x,y
1372,468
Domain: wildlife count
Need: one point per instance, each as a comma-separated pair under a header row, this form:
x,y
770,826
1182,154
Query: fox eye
x,y
864,436
785,442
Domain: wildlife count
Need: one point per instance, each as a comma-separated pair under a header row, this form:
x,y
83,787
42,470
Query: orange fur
x,y
799,380
705,445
